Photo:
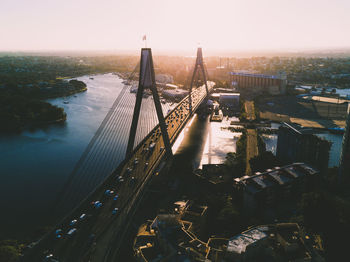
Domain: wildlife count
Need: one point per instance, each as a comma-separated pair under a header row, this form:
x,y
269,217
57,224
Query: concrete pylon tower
x,y
147,80
198,67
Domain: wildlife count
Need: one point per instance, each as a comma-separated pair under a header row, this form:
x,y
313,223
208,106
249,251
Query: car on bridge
x,y
71,232
120,179
132,181
50,258
128,171
136,161
82,217
73,222
97,204
109,192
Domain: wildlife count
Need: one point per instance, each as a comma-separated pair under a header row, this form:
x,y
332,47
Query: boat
x,y
65,102
91,78
217,116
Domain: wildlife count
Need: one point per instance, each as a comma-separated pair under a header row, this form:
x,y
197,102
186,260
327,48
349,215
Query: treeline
x,y
10,250
17,112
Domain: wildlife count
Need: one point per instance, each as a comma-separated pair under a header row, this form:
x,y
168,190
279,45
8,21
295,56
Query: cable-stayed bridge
x,y
94,229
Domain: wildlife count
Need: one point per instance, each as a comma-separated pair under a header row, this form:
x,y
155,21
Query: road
x,y
98,233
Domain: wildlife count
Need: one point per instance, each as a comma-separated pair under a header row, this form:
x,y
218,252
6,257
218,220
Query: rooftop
x,y
285,241
275,177
239,243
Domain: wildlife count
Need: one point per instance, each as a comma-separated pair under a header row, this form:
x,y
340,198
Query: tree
x,y
263,161
9,253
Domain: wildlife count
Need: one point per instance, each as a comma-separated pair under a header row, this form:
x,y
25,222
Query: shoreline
x,y
63,95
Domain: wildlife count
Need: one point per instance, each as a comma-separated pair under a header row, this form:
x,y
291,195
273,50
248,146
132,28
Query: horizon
x,y
325,52
226,26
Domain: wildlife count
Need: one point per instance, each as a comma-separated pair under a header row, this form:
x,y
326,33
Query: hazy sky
x,y
173,25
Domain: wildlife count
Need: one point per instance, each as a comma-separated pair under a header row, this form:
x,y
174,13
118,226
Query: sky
x,y
35,25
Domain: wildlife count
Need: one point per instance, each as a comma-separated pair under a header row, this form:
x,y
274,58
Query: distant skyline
x,y
220,25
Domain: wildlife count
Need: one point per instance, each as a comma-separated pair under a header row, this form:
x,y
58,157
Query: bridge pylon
x,y
147,80
198,67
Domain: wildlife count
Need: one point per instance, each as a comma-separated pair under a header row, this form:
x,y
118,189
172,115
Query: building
x,y
275,242
174,94
297,144
214,177
228,100
262,192
173,237
164,78
344,164
273,84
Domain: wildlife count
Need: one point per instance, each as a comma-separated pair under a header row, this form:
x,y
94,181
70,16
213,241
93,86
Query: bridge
x,y
95,229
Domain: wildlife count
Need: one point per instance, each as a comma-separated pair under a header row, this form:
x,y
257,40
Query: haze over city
x,y
230,25
183,130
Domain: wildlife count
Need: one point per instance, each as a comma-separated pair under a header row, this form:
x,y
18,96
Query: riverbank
x,y
21,109
17,113
61,89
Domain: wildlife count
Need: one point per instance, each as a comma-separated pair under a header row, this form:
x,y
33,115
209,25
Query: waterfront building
x,y
344,164
273,84
230,100
264,191
297,144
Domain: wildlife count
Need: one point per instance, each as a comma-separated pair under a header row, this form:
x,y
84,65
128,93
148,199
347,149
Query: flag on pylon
x,y
144,38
